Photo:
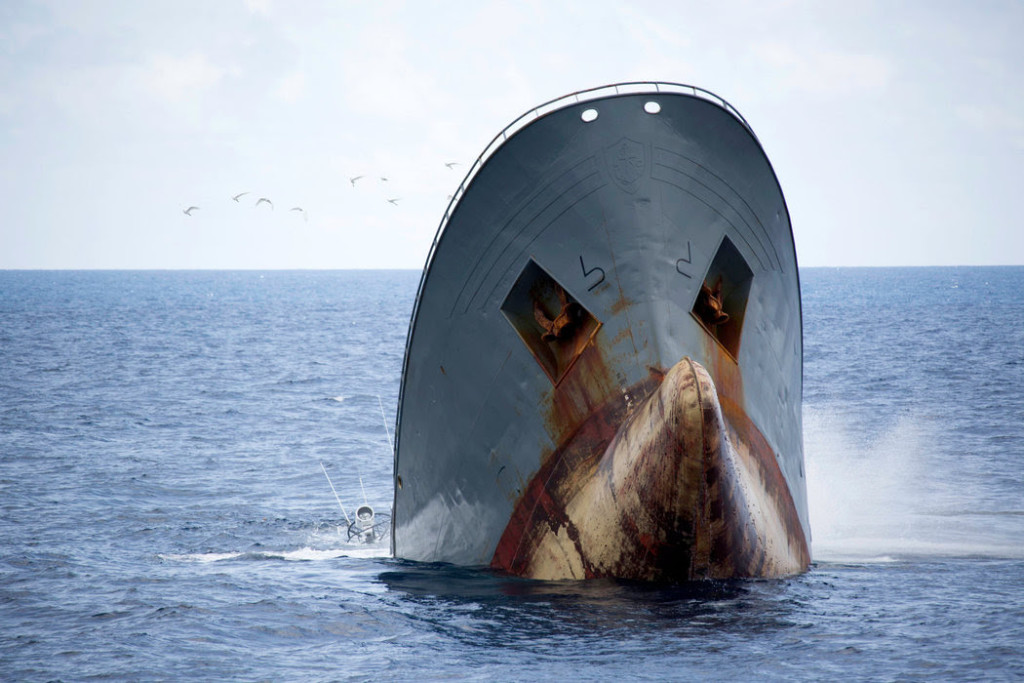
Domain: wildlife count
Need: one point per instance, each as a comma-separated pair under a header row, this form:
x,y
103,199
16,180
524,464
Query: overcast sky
x,y
896,128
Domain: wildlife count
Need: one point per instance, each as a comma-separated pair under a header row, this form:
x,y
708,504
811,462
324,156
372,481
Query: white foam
x,y
306,554
873,550
313,554
887,495
199,557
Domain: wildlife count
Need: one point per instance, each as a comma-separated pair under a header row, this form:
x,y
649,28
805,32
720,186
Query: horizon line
x,y
406,269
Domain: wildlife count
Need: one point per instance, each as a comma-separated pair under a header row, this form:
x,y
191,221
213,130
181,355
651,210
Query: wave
x,y
875,550
306,554
891,495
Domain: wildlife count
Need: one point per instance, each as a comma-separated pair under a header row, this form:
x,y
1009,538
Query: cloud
x,y
292,86
824,72
16,37
990,118
994,120
261,7
645,30
384,76
176,78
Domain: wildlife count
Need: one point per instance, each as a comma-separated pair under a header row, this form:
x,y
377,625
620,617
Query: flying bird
x,y
305,216
383,179
394,201
451,164
353,180
264,199
239,195
189,210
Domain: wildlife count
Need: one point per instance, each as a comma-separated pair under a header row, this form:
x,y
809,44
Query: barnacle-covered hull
x,y
603,373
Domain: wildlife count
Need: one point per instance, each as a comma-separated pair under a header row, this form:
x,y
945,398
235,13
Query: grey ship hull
x,y
603,371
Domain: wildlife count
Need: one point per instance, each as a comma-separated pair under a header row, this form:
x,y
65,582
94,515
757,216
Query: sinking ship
x,y
603,370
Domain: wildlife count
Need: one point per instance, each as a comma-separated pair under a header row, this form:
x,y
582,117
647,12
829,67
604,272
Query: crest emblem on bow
x,y
626,162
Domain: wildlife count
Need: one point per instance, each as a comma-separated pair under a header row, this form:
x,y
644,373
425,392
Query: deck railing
x,y
574,98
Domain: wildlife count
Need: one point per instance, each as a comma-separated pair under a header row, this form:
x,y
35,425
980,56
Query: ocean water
x,y
164,514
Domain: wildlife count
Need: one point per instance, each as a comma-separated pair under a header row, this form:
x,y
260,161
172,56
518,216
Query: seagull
x,y
353,180
305,216
264,199
239,195
383,179
394,201
451,164
189,210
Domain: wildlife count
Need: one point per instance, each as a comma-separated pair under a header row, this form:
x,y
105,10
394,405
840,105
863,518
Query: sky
x,y
896,128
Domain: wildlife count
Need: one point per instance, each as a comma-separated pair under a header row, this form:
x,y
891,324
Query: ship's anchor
x,y
563,325
709,304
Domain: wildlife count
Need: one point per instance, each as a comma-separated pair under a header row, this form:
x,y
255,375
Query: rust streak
x,y
678,485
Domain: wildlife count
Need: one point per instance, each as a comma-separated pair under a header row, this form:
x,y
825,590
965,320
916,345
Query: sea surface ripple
x,y
164,514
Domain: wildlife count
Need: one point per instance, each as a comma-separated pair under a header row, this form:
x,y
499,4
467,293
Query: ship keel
x,y
686,489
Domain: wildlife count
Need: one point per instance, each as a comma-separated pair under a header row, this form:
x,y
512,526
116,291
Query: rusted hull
x,y
603,373
676,495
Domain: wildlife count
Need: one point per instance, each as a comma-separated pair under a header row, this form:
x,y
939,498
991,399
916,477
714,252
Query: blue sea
x,y
164,514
